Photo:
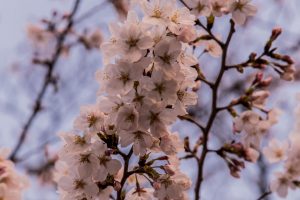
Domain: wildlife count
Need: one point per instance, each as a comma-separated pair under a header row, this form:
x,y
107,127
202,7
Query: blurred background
x,y
25,45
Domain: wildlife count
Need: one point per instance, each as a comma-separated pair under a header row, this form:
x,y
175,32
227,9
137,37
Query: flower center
x,y
84,158
175,17
157,13
79,140
160,88
180,95
200,7
132,42
153,117
91,119
124,77
130,117
166,58
79,184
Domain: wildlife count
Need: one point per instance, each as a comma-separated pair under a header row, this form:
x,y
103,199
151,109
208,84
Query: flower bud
x,y
156,185
251,155
275,33
266,82
197,86
287,59
259,98
169,169
188,34
117,186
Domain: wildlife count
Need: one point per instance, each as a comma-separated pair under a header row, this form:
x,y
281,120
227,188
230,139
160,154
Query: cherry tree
x,y
123,146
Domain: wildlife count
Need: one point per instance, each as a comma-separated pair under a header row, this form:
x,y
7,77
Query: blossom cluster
x,y
11,183
122,146
287,152
146,83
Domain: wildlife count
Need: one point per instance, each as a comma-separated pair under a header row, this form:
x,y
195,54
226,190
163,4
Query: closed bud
x,y
266,82
197,86
163,158
259,76
117,186
156,185
169,169
287,59
252,56
275,33
251,155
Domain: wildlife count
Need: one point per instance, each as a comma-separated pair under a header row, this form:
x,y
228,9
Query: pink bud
x,y
251,155
156,185
259,76
169,169
188,34
288,59
275,33
117,185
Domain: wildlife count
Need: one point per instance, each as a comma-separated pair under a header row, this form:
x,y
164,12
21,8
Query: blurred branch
x,y
41,169
50,64
264,195
263,185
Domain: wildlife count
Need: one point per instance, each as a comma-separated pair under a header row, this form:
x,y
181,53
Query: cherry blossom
x,y
200,7
240,9
276,151
11,183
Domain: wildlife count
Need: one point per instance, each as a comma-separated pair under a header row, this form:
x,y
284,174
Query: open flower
x,y
76,186
120,77
91,119
180,18
281,184
161,87
157,11
141,140
106,164
253,128
200,7
276,150
127,118
166,53
240,9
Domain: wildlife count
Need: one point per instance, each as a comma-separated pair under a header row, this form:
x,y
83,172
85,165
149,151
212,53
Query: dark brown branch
x,y
126,174
213,114
264,195
47,81
190,119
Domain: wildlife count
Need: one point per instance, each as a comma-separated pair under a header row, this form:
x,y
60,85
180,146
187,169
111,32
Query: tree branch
x,y
125,172
262,197
47,81
213,114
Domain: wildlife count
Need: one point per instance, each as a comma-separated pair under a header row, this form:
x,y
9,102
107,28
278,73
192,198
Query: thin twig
x,y
190,119
264,195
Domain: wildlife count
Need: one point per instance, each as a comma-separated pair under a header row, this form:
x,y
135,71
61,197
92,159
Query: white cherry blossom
x,y
276,150
107,165
166,54
199,7
142,140
91,119
240,9
140,194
